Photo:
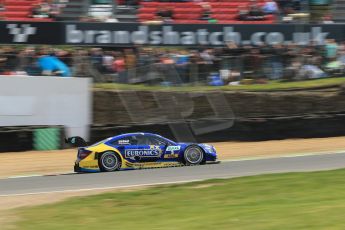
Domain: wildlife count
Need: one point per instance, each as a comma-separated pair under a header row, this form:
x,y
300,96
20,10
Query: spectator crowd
x,y
230,64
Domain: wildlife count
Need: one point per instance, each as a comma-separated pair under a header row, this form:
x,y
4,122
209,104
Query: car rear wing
x,y
76,141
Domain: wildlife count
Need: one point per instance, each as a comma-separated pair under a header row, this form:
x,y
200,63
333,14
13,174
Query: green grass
x,y
270,86
281,201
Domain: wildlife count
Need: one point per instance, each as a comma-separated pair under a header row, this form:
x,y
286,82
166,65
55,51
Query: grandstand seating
x,y
20,10
190,12
339,10
224,11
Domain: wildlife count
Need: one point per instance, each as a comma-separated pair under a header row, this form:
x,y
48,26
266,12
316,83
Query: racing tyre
x,y
193,155
109,162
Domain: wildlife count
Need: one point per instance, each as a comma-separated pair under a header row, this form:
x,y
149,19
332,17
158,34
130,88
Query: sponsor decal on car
x,y
123,142
152,165
170,156
173,148
142,153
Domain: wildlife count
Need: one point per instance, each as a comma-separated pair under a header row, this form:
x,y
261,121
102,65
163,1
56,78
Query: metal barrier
x,y
250,63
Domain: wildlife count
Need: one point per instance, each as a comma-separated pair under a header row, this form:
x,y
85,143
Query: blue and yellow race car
x,y
137,151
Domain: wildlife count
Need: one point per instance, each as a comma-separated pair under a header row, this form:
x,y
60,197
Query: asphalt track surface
x,y
128,179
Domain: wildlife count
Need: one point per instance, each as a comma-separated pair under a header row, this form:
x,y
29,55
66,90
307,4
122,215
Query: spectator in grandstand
x,y
255,12
242,13
2,7
327,19
270,7
110,19
46,9
206,11
36,11
166,14
288,6
41,10
55,9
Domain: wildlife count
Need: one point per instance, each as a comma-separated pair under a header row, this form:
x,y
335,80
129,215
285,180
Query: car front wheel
x,y
193,155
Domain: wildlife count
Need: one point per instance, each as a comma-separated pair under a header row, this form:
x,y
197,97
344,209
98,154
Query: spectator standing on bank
x,y
331,49
3,60
182,62
277,61
11,55
254,62
107,62
119,66
96,56
131,64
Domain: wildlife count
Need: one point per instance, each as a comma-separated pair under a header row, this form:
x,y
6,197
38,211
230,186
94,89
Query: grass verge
x,y
270,86
280,201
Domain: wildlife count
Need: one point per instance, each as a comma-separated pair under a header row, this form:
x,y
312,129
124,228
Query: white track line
x,y
37,175
22,176
107,188
284,156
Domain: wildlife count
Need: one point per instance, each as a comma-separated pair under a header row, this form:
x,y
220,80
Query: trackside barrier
x,y
312,126
47,139
26,138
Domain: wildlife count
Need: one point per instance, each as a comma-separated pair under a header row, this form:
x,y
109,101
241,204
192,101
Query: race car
x,y
137,151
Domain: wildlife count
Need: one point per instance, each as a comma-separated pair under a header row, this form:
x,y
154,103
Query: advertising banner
x,y
130,34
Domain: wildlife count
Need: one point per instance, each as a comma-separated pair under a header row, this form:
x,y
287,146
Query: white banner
x,y
28,101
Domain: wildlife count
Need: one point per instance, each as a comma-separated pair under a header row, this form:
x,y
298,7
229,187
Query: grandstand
x,y
339,10
184,12
20,10
223,11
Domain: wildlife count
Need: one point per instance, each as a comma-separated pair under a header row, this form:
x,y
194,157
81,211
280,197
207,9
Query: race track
x,y
84,182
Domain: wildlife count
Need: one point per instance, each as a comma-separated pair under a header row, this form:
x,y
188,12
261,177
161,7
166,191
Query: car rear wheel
x,y
109,162
193,155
